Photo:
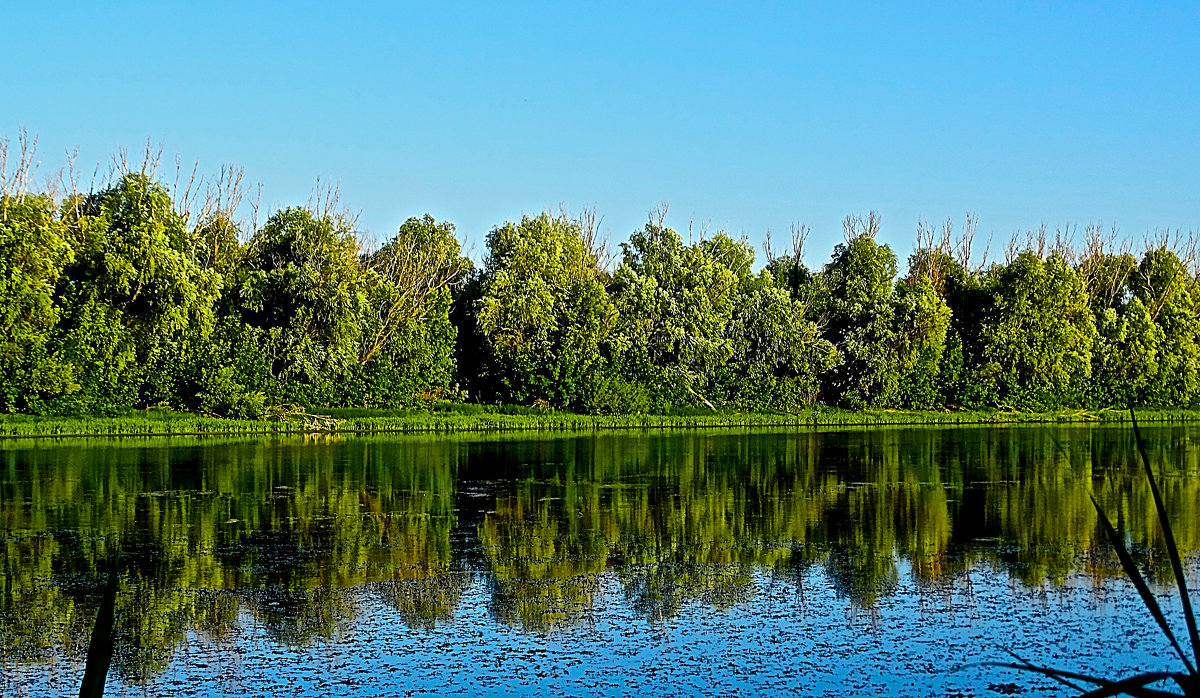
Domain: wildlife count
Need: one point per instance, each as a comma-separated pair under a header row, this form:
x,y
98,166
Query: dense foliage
x,y
112,301
120,298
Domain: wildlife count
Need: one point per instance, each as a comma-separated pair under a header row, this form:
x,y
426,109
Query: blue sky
x,y
743,116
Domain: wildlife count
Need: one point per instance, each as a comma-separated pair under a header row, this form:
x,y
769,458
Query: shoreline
x,y
358,421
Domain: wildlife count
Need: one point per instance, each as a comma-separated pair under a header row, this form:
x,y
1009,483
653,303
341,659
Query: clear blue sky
x,y
744,116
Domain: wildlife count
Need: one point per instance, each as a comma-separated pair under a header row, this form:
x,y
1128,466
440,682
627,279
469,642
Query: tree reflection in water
x,y
285,534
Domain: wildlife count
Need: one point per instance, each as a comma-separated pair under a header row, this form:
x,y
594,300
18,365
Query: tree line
x,y
131,295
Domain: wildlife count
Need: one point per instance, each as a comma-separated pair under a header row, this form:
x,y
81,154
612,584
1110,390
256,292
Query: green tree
x,y
33,251
962,373
407,347
1041,333
131,292
217,244
922,320
854,300
675,303
543,312
1125,358
301,295
1171,296
778,353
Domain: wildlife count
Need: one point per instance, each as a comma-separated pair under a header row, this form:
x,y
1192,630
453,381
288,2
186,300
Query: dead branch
x,y
854,227
658,214
325,202
597,248
800,233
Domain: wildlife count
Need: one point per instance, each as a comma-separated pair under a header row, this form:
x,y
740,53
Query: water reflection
x,y
277,532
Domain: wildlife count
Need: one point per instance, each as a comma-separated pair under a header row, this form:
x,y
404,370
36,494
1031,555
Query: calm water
x,y
732,563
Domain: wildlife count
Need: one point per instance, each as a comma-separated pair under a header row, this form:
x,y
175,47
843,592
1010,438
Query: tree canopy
x,y
121,298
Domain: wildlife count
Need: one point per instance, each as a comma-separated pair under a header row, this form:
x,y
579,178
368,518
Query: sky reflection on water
x,y
736,563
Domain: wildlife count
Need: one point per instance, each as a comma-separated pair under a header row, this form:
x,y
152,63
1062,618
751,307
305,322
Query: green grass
x,y
454,417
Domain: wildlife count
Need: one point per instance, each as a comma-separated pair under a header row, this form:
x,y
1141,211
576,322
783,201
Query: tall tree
x,y
407,347
1040,334
1171,297
130,293
854,301
778,353
922,320
675,303
33,252
543,312
302,295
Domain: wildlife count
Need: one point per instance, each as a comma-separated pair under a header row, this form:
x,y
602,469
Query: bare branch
x,y
589,226
16,183
962,248
800,233
658,214
185,196
325,201
854,227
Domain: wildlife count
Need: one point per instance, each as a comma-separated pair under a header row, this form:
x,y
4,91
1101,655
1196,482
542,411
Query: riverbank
x,y
466,418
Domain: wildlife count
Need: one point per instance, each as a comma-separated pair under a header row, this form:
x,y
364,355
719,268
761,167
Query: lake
x,y
885,561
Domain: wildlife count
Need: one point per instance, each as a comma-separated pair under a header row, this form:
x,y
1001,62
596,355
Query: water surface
x,y
814,562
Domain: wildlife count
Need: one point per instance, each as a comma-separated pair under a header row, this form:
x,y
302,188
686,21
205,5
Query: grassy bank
x,y
462,418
